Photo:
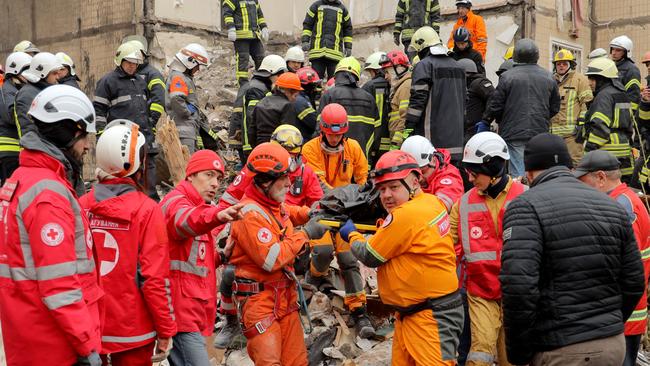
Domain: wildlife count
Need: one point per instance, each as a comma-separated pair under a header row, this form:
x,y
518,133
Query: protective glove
x,y
314,229
482,126
590,146
578,134
305,46
396,38
347,52
92,359
232,34
315,210
265,34
346,230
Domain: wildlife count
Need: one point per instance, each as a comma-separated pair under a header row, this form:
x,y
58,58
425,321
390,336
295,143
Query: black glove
x,y
314,229
396,38
590,146
578,134
92,359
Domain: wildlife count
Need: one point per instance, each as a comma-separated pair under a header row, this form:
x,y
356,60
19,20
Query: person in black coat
x,y
463,49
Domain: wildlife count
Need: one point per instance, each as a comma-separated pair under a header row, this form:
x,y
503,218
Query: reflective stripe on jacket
x,y
328,29
575,93
245,16
411,15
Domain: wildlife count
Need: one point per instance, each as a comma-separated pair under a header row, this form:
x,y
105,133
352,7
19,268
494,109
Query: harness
x,y
442,303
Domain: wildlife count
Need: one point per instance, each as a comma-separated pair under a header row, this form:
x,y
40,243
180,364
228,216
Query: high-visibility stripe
x,y
362,119
570,107
156,81
418,87
306,32
480,357
638,315
633,82
229,198
645,254
348,39
374,253
62,299
271,257
157,108
602,117
190,266
310,13
306,112
9,144
414,112
230,4
644,114
229,20
319,29
168,295
244,34
596,139
101,100
121,99
465,209
133,339
244,15
253,207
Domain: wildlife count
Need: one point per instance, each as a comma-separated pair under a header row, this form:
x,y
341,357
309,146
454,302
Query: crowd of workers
x,y
510,234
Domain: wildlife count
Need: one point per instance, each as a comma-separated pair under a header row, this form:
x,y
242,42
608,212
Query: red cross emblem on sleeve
x,y
264,235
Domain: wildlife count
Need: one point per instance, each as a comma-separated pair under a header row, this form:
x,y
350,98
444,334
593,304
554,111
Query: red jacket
x,y
193,259
132,248
637,322
49,292
481,245
446,182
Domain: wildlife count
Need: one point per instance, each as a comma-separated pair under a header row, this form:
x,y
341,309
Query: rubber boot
x,y
362,323
230,334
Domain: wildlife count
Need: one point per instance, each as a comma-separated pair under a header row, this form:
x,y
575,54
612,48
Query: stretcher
x,y
336,224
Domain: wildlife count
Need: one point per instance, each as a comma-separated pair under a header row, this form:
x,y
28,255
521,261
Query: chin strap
x,y
408,188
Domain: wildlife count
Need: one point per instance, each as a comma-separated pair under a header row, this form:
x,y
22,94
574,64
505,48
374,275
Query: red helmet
x,y
394,58
394,165
270,159
308,75
334,120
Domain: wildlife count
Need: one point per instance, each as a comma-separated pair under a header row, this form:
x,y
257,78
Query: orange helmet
x,y
289,80
270,159
394,165
646,57
334,120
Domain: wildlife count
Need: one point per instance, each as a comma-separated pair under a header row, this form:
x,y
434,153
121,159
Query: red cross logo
x,y
264,235
52,234
202,251
476,232
108,251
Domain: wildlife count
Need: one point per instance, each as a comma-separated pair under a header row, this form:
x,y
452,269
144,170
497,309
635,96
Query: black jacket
x,y
570,268
379,88
269,113
247,19
328,29
479,90
524,102
411,15
630,76
306,116
23,102
156,89
472,54
8,131
256,90
70,80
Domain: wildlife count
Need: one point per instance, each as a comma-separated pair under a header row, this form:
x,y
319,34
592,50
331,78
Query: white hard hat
x,y
598,52
484,146
66,60
58,103
623,42
295,54
17,62
141,41
372,62
26,46
130,52
193,55
421,149
273,64
118,148
41,65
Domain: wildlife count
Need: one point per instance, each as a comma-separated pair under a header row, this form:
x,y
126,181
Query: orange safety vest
x,y
481,244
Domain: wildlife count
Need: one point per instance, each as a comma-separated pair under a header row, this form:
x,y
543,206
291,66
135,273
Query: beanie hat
x,y
204,160
546,151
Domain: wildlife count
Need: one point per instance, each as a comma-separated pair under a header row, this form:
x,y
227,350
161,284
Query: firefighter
x,y
473,23
17,63
327,35
418,276
379,88
183,102
68,74
410,16
437,104
295,58
477,237
27,47
156,86
361,108
260,85
438,177
266,245
479,90
600,170
463,49
190,219
575,94
598,52
49,292
235,127
608,122
307,118
642,167
620,51
131,244
275,109
247,30
398,69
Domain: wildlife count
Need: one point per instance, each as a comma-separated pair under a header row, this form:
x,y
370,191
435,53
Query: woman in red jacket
x,y
132,248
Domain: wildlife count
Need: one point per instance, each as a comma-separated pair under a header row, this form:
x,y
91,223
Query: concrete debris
x,y
365,344
238,358
320,306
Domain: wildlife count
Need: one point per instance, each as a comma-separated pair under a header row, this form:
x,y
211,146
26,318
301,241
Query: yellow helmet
x,y
604,67
564,55
423,38
289,137
509,52
129,51
349,64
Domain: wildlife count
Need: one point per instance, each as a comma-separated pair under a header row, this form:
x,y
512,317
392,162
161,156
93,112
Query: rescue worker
x,y
132,247
327,35
418,276
600,170
361,108
122,94
463,49
266,244
247,30
620,51
17,63
608,122
68,74
307,118
379,88
479,90
235,128
183,102
190,219
477,238
156,86
49,292
642,166
275,109
474,23
437,104
295,58
598,52
410,16
505,66
398,69
575,94
260,85
27,47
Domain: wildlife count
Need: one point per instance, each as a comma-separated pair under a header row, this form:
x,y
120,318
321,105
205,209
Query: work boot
x,y
230,334
362,323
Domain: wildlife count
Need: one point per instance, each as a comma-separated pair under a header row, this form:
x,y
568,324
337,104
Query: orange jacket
x,y
336,170
478,34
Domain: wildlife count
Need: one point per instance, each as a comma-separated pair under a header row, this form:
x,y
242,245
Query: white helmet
x,y
598,52
372,62
58,103
295,54
623,42
140,41
421,149
26,46
130,52
17,62
193,55
118,148
66,60
273,64
41,65
484,146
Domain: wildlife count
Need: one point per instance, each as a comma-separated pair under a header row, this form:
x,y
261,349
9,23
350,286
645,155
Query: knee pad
x,y
321,257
